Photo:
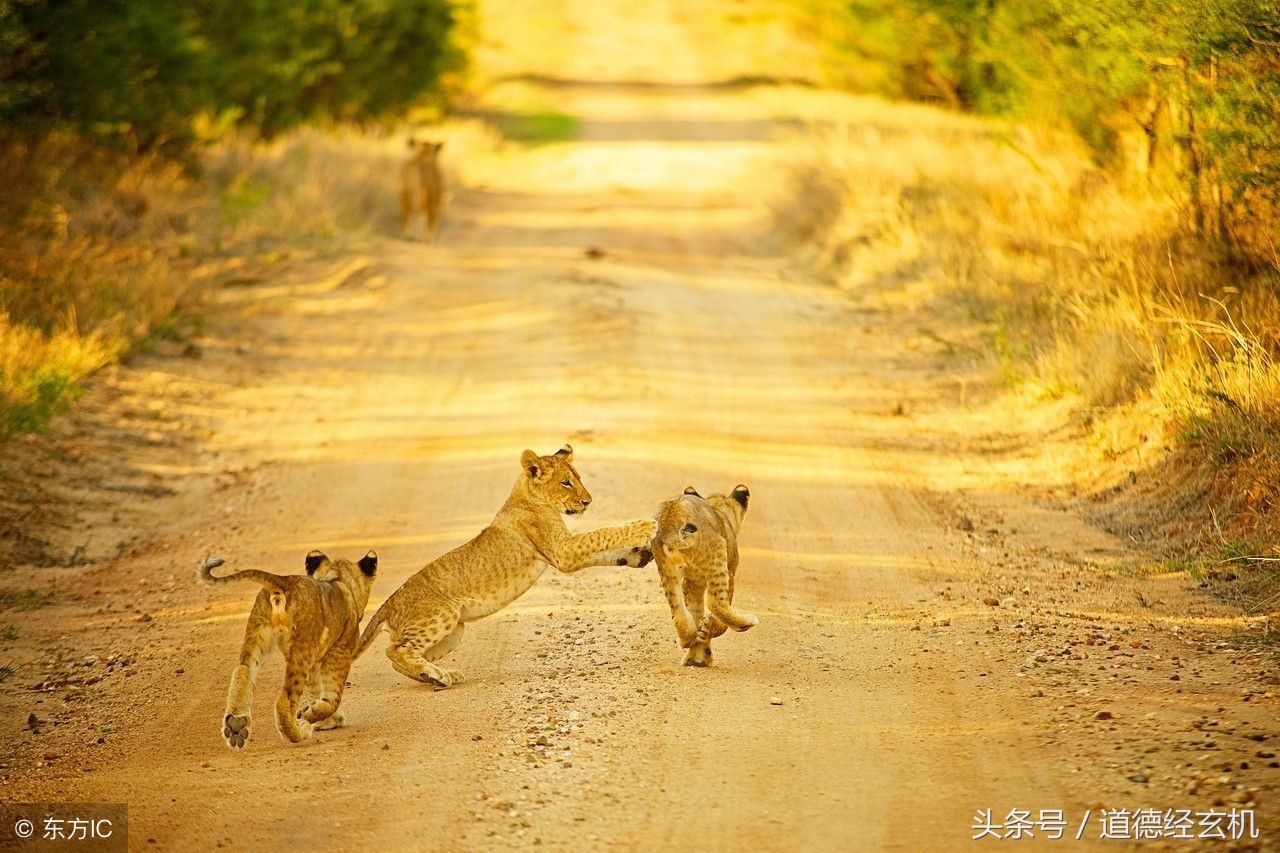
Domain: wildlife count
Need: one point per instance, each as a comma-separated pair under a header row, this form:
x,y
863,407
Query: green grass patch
x,y
6,671
28,599
241,199
8,633
537,127
30,403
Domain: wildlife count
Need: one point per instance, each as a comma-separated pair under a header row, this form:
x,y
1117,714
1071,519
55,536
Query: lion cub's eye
x,y
567,484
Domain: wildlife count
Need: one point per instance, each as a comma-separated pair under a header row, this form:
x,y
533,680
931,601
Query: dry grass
x,y
101,252
1087,287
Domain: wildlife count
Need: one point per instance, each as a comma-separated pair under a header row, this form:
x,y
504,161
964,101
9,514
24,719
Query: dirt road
x,y
622,291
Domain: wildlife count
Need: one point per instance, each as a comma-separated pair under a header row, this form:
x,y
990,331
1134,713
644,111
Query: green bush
x,y
141,70
1187,88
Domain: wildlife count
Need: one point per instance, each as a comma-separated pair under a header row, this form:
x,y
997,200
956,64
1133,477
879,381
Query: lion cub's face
x,y
553,480
424,151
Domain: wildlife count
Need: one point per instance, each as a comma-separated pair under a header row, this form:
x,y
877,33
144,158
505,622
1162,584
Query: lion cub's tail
x,y
274,583
370,631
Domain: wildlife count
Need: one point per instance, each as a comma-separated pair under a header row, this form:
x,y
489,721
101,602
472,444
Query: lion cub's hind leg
x,y
297,675
720,597
414,649
329,678
407,208
258,643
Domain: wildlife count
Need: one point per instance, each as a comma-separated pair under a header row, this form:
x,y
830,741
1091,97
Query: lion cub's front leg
x,y
625,545
686,625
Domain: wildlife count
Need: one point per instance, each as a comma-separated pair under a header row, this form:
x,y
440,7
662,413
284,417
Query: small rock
x,y
991,601
145,617
477,737
1103,715
1137,777
775,700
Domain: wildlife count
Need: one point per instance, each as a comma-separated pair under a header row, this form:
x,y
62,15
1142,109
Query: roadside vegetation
x,y
1109,206
146,149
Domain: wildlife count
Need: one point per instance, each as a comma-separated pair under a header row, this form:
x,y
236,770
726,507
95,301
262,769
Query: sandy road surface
x,y
389,412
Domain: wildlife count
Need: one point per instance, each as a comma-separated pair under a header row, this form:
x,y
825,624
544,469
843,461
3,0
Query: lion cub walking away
x,y
422,186
426,616
696,549
315,620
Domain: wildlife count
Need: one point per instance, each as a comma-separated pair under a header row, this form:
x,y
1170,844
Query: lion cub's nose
x,y
586,501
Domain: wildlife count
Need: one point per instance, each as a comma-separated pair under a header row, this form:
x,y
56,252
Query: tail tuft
x,y
204,571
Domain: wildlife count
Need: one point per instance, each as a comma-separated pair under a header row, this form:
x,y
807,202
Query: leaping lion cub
x,y
426,616
315,620
696,549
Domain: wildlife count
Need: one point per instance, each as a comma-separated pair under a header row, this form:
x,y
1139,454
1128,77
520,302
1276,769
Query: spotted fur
x,y
696,550
314,619
425,617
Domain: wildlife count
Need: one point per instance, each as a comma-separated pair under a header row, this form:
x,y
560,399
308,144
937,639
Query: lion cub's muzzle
x,y
579,509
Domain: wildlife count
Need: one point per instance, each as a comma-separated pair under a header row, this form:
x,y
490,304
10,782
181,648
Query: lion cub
x,y
422,186
426,616
696,549
315,620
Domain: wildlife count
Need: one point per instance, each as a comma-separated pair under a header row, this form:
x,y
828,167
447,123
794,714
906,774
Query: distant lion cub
x,y
422,186
696,549
315,620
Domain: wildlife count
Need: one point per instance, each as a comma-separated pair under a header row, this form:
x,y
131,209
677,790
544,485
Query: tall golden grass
x,y
102,251
1087,284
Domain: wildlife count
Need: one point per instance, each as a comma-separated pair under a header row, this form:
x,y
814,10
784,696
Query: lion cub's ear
x,y
690,490
369,563
741,494
314,559
565,453
533,465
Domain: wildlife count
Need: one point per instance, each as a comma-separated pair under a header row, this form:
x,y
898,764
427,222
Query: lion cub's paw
x,y
750,620
698,655
637,559
235,730
441,678
336,720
